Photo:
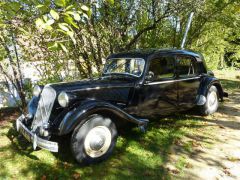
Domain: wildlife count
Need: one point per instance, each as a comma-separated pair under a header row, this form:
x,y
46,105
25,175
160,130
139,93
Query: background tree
x,y
67,39
10,68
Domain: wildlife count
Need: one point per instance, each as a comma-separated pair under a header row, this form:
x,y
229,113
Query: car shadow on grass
x,y
19,143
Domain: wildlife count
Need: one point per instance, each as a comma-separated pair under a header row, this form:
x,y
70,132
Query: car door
x,y
188,81
158,95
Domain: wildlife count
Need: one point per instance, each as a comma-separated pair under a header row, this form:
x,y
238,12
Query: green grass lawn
x,y
136,156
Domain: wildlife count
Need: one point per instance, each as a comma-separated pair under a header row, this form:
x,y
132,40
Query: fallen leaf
x,y
199,150
44,177
188,165
175,171
177,142
76,176
233,159
196,144
221,126
227,172
66,165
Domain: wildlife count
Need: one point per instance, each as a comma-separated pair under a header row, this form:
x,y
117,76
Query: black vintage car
x,y
135,86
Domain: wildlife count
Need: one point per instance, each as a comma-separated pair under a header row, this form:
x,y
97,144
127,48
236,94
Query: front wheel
x,y
94,140
212,102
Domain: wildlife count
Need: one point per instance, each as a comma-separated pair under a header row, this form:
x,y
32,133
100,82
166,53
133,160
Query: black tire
x,y
210,106
81,134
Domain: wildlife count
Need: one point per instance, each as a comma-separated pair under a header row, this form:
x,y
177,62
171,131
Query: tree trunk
x,y
17,79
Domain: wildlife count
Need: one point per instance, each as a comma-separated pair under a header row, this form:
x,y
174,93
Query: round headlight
x,y
37,90
63,99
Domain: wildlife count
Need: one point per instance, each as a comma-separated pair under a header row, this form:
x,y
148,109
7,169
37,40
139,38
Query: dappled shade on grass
x,y
137,155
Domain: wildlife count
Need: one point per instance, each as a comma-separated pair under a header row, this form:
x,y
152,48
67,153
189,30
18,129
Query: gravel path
x,y
216,147
222,159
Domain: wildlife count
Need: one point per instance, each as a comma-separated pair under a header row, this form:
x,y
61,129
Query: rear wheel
x,y
94,140
212,102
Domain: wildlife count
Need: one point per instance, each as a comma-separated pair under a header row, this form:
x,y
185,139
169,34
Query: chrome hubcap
x,y
97,141
212,100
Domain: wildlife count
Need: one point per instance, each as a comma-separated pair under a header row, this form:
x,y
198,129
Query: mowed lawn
x,y
137,155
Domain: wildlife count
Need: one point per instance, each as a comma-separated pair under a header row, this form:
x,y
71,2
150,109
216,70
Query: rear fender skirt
x,y
206,83
74,117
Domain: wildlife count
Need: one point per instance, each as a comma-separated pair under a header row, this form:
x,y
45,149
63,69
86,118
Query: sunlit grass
x,y
229,79
137,155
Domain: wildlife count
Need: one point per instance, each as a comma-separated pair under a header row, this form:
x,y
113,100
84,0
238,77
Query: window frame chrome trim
x,y
108,74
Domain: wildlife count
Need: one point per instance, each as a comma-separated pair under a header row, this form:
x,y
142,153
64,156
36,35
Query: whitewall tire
x,y
94,140
212,101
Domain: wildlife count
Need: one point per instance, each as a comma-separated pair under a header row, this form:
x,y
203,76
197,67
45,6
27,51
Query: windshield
x,y
129,66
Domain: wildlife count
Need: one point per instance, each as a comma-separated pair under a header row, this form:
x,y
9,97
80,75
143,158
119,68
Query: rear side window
x,y
162,68
187,66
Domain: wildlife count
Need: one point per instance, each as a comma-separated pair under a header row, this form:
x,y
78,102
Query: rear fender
x,y
87,108
205,84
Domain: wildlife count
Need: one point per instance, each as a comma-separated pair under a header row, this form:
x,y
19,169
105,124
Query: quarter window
x,y
186,66
162,68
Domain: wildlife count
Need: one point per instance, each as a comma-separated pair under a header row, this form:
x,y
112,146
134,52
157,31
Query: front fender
x,y
74,117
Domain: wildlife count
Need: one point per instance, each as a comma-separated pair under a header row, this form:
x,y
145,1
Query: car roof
x,y
146,53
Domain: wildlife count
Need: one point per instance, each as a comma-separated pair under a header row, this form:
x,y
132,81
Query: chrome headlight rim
x,y
63,99
37,90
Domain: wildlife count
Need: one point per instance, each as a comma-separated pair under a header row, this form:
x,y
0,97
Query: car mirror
x,y
210,73
149,76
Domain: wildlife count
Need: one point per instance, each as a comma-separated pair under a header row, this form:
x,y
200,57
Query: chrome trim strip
x,y
170,81
98,87
32,137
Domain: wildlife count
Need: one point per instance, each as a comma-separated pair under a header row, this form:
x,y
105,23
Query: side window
x,y
162,68
187,66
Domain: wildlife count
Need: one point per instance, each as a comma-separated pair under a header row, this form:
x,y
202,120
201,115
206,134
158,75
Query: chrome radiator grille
x,y
44,108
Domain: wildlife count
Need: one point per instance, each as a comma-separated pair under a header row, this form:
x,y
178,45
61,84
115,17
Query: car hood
x,y
88,84
106,89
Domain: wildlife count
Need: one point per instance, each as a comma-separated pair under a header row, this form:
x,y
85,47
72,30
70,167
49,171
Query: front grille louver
x,y
44,108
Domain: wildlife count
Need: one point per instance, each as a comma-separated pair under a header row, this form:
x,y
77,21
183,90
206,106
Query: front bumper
x,y
32,137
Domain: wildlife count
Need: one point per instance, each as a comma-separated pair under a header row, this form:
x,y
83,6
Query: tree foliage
x,y
66,36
